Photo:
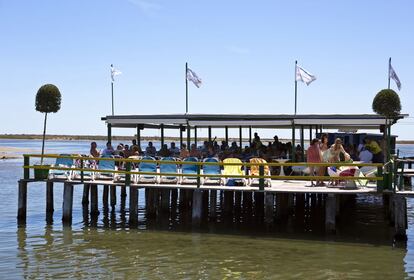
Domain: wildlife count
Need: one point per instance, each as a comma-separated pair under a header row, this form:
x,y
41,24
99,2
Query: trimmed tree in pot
x,y
387,103
48,100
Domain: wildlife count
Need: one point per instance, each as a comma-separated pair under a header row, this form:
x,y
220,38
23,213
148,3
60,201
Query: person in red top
x,y
314,156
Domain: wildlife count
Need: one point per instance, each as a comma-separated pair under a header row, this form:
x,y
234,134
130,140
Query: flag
x,y
394,76
304,76
114,72
192,76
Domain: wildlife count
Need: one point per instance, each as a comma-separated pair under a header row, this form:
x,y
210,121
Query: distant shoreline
x,y
55,137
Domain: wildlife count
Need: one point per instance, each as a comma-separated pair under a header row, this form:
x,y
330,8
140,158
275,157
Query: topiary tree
x,y
48,100
387,103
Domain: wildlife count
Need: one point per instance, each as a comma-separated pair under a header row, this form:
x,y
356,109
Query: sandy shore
x,y
13,152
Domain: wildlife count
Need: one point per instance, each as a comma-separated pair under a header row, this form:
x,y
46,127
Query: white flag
x,y
192,76
394,76
114,72
304,76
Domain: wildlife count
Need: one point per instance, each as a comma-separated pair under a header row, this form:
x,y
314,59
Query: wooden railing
x,y
128,171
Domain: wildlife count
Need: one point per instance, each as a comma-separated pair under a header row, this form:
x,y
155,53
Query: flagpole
x,y
389,64
296,86
112,90
186,88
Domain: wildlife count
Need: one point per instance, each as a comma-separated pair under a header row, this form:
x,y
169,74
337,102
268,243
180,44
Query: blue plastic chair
x,y
189,169
147,167
212,170
168,168
62,174
109,165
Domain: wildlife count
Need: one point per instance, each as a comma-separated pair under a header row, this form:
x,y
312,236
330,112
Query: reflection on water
x,y
167,247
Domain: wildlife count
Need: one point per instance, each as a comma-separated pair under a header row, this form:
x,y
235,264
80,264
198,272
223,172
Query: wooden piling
x,y
330,214
22,202
165,200
269,207
197,207
105,196
113,196
151,206
237,204
228,203
213,204
94,200
67,203
400,212
259,206
49,198
282,202
85,197
133,205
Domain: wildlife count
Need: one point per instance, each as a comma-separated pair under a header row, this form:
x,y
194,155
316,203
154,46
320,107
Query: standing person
x,y
325,154
336,150
372,145
94,151
314,156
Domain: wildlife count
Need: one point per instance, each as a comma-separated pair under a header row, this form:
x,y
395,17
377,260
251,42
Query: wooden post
x,y
181,138
165,200
228,203
241,138
94,200
195,136
400,212
330,214
213,204
250,135
259,205
105,195
133,205
209,134
197,207
226,131
282,205
26,171
151,209
112,190
49,198
67,204
269,207
237,204
22,202
85,197
162,135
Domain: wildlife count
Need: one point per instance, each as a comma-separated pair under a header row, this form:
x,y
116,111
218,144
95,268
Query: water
x,y
362,249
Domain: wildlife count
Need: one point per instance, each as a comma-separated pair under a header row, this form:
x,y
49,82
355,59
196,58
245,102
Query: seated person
x,y
174,150
194,152
150,150
184,152
365,155
164,152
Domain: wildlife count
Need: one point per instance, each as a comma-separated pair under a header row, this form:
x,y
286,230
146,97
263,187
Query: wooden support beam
x,y
94,200
85,197
49,198
151,206
22,202
197,207
105,196
400,212
259,205
269,207
133,205
165,200
213,204
330,214
228,203
112,190
237,204
67,203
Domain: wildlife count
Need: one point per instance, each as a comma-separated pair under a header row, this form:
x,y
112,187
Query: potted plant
x,y
48,100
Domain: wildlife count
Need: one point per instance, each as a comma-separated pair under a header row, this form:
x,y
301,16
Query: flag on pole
x,y
394,76
192,76
304,76
114,72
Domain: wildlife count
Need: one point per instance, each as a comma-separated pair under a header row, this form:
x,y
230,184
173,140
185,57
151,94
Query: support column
x,y
165,200
400,212
49,198
113,196
162,135
94,200
188,137
181,138
269,207
133,205
151,207
240,138
226,132
197,210
22,202
105,195
67,204
250,135
109,133
293,142
85,197
195,136
330,214
302,142
209,134
213,204
139,136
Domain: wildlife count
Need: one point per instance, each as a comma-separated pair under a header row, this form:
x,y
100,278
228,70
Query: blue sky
x,y
243,50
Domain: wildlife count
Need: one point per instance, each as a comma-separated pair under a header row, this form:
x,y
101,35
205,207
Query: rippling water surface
x,y
362,249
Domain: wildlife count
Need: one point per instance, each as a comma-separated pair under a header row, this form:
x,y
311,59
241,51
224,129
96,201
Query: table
x,y
281,160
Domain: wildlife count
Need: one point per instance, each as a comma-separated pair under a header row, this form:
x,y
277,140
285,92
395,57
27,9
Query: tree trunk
x,y
43,141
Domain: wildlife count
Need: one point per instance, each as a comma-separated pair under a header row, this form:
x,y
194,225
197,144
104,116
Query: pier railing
x,y
381,178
